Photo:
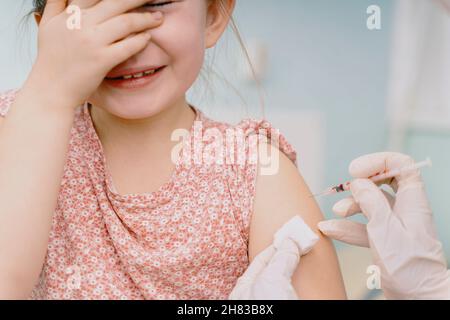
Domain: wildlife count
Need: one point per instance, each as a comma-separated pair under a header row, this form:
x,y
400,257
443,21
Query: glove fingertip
x,y
358,168
343,208
326,227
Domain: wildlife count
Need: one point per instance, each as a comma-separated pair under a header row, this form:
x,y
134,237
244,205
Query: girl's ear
x,y
37,17
218,17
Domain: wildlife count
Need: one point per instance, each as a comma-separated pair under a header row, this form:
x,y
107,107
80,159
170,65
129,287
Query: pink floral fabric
x,y
188,240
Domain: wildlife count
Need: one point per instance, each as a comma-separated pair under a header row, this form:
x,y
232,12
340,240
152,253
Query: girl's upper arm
x,y
279,197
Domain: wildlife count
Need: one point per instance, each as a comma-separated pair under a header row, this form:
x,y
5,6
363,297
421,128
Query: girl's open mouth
x,y
135,80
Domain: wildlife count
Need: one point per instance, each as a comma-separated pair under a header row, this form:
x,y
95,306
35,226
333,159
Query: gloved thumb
x,y
258,264
285,260
373,203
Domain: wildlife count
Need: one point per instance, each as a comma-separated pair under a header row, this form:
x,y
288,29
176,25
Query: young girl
x,y
92,205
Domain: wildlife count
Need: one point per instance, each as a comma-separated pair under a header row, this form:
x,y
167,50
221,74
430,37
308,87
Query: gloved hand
x,y
269,276
400,231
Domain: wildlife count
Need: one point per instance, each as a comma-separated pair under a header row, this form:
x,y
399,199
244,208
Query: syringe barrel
x,y
396,172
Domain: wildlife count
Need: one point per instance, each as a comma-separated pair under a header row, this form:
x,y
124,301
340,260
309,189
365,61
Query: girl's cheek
x,y
185,26
180,40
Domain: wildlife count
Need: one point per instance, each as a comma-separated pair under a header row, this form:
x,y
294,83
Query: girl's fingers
x,y
108,9
123,25
53,8
125,49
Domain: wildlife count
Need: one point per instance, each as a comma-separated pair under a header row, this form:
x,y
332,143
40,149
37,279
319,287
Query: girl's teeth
x,y
139,75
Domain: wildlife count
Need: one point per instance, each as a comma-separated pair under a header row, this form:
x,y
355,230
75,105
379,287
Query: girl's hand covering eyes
x,y
76,50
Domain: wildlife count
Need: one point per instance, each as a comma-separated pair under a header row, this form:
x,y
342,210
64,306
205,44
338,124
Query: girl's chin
x,y
135,112
129,109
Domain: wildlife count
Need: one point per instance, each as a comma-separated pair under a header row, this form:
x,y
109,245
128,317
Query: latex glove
x,y
400,231
269,276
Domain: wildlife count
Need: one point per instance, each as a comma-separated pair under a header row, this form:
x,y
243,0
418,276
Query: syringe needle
x,y
322,194
378,178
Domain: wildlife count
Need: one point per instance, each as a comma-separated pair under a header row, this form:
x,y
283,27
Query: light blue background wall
x,y
18,43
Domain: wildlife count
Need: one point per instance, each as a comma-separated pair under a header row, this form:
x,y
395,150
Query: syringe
x,y
377,178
